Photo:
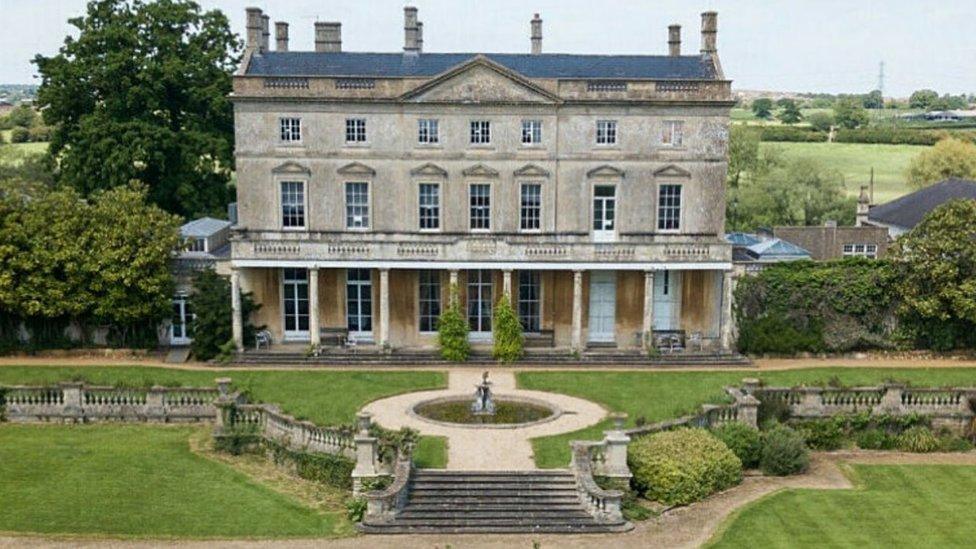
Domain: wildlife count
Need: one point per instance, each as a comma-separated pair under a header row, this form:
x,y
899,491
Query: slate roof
x,y
907,211
549,65
748,247
203,227
742,239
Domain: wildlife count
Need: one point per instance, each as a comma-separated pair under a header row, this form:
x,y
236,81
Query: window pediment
x,y
291,167
671,170
531,170
356,168
605,170
429,170
480,170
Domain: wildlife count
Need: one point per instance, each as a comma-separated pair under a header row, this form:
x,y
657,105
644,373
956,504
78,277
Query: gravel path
x,y
485,449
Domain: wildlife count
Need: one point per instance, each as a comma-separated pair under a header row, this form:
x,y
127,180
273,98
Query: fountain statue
x,y
483,404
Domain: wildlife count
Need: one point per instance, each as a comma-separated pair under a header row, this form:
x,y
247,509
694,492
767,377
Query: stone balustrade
x,y
603,505
269,422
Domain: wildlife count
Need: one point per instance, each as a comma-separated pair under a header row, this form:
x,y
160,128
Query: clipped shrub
x,y
874,439
824,434
683,466
452,331
784,452
792,134
508,339
744,441
918,439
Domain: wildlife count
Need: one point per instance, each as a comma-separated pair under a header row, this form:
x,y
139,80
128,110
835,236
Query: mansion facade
x,y
588,189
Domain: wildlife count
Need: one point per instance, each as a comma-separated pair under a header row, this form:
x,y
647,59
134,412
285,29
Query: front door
x,y
667,293
603,306
179,328
359,304
604,212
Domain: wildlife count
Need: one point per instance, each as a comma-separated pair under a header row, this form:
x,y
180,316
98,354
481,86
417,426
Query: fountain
x,y
483,405
486,410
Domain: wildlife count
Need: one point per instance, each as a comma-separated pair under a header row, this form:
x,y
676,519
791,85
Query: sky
x,y
779,45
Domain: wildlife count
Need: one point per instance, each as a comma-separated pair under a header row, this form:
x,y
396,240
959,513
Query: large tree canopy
x,y
141,95
948,158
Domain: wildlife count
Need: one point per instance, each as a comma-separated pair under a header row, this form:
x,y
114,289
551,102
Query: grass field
x,y
895,506
657,396
136,480
855,160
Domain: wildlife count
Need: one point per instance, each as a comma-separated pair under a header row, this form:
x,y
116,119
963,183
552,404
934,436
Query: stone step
x,y
515,505
495,500
582,528
417,495
491,485
549,473
561,514
492,521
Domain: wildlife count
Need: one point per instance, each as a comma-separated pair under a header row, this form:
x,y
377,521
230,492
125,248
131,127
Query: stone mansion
x,y
590,189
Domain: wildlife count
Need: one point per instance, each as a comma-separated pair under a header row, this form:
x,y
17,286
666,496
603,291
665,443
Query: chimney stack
x,y
709,29
265,33
328,36
536,24
863,207
281,36
674,40
253,29
410,30
420,36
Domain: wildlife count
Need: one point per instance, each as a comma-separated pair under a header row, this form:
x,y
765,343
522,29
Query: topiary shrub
x,y
452,331
508,339
683,466
784,452
918,439
744,441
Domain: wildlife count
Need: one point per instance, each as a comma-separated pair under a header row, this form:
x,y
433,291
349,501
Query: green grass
x,y
896,506
656,396
13,153
431,452
137,480
855,160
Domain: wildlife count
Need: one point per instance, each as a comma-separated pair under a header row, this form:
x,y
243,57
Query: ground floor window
x,y
295,293
479,301
529,301
430,300
359,301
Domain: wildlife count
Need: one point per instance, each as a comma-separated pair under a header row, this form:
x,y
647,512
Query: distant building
x,y
942,116
752,252
5,107
902,214
832,242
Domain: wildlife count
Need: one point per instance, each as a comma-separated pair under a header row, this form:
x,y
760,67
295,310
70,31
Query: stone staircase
x,y
543,501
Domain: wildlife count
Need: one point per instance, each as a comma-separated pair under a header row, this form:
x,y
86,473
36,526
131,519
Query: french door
x,y
667,300
359,304
479,303
603,306
179,328
295,303
604,212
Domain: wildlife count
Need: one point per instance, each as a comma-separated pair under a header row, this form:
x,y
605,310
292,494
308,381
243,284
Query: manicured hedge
x,y
683,466
885,136
792,134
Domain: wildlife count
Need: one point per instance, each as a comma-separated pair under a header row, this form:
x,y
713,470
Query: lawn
x,y
656,396
895,506
13,153
138,480
855,160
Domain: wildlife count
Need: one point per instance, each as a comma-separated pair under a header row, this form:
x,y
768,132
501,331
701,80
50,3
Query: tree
x,y
873,100
949,157
936,263
849,113
923,99
452,330
210,302
791,112
795,192
821,121
763,108
141,94
508,338
743,152
22,116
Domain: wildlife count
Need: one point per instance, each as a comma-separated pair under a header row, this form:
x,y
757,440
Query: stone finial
x,y
223,386
674,40
410,30
618,419
536,36
281,36
750,385
254,28
363,422
709,32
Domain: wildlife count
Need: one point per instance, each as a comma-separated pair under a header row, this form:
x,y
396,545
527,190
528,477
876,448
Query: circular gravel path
x,y
473,449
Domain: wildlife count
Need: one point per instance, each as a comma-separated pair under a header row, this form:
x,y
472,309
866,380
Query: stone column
x,y
367,450
749,410
314,331
237,320
154,403
507,284
577,336
617,441
453,288
727,329
73,409
648,330
384,307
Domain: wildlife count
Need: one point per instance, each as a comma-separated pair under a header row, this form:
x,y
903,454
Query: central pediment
x,y
479,81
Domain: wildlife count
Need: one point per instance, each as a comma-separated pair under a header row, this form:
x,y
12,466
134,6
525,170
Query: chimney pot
x,y
281,36
265,33
536,36
253,28
709,30
420,36
328,36
674,40
410,31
